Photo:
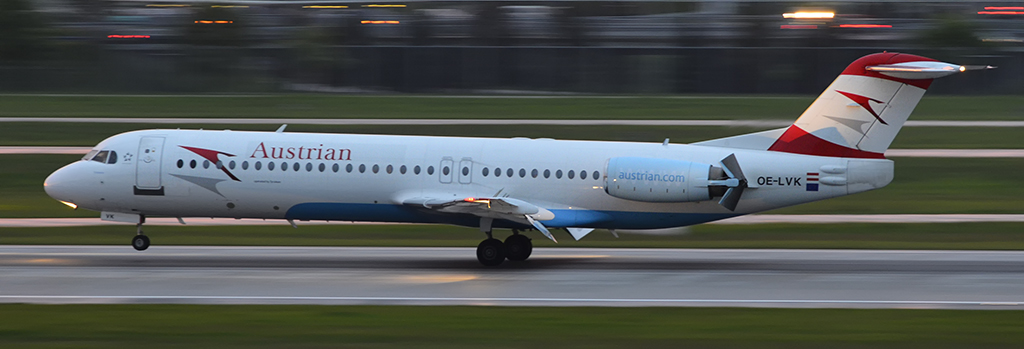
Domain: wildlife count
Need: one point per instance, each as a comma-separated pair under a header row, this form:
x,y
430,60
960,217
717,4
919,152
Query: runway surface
x,y
549,122
924,153
747,219
552,277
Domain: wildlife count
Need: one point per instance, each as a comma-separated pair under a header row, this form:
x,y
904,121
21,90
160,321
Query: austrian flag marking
x,y
812,181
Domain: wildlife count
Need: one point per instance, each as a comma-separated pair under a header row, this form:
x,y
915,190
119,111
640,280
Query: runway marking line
x,y
510,300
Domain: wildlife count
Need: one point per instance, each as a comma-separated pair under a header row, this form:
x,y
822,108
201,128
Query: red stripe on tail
x,y
797,141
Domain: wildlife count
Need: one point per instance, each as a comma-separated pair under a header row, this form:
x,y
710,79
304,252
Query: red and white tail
x,y
860,113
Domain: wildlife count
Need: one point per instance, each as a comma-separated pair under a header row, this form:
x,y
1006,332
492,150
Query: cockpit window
x,y
89,155
102,156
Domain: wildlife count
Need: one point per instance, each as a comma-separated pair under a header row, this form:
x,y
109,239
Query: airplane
x,y
835,148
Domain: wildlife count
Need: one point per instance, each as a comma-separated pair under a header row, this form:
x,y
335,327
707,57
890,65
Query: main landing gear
x,y
492,252
140,242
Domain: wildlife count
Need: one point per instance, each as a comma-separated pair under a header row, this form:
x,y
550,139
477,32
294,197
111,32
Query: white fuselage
x,y
153,175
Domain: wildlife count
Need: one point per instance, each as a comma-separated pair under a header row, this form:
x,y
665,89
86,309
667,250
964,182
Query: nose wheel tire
x,y
518,247
490,252
140,242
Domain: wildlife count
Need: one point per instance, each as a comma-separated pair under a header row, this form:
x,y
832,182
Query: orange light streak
x,y
998,8
379,22
115,36
865,26
1001,12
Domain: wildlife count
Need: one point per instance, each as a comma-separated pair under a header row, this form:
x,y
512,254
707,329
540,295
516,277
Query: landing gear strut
x,y
140,242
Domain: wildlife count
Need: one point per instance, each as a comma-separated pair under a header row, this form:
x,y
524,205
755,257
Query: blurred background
x,y
491,47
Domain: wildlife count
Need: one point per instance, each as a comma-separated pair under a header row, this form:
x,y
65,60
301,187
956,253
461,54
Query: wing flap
x,y
491,207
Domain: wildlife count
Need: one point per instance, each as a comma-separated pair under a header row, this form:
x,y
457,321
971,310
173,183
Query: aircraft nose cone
x,y
58,185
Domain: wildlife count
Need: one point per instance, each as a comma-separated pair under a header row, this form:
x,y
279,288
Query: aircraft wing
x,y
490,207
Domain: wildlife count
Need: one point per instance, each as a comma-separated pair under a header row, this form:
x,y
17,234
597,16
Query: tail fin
x,y
860,113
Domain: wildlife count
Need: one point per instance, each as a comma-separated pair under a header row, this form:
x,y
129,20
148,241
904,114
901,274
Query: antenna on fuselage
x,y
281,129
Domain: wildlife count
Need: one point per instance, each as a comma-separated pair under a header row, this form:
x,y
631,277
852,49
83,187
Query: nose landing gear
x,y
140,242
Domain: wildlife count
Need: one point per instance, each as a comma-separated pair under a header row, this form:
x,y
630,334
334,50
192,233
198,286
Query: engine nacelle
x,y
658,180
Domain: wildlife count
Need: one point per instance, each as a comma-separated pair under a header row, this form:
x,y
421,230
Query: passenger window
x,y
533,173
324,167
445,170
583,174
416,169
206,163
231,165
402,169
522,173
430,170
258,165
486,171
181,163
284,166
309,167
270,166
376,168
497,171
348,168
112,159
558,174
571,174
547,173
245,165
465,171
219,165
389,169
295,167
362,168
335,168
509,172
597,175
192,164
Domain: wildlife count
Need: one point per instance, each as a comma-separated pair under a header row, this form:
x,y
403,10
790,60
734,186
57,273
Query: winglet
x,y
281,129
540,227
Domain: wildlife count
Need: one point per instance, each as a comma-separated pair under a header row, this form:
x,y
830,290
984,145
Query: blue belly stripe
x,y
331,211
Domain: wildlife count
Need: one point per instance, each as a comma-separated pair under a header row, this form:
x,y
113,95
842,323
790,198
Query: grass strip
x,y
89,134
291,326
546,107
941,236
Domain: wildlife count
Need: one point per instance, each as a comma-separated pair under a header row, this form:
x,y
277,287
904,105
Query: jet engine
x,y
667,180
